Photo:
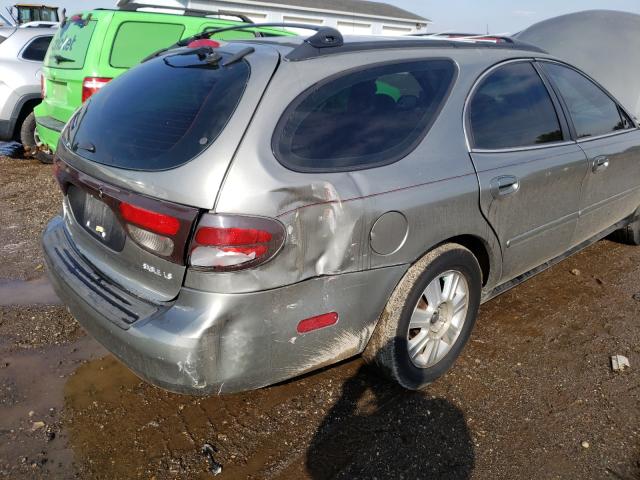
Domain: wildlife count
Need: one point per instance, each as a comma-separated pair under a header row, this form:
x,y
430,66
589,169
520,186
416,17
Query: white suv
x,y
22,51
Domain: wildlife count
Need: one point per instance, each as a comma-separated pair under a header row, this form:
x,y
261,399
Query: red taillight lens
x,y
231,236
91,85
153,221
43,86
228,242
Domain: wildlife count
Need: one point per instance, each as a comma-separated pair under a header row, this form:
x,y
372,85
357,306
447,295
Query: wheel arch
x,y
23,108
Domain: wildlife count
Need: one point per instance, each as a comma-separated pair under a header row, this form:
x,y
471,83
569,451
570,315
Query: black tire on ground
x,y
388,349
27,133
629,234
44,157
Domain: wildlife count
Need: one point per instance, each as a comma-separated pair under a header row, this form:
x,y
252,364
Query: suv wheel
x,y
28,134
428,318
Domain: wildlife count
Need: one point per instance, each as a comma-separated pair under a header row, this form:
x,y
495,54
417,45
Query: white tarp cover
x,y
605,44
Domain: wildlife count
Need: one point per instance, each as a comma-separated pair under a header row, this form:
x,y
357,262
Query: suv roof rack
x,y
190,12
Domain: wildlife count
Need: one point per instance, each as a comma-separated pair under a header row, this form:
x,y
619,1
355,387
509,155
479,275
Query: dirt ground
x,y
533,395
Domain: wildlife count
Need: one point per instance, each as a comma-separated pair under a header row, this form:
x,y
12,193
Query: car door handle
x,y
505,185
599,164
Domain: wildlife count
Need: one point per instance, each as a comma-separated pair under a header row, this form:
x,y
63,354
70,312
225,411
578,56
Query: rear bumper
x,y
48,130
204,343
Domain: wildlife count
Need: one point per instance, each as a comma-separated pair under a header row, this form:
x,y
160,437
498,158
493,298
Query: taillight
x,y
151,230
91,85
235,242
43,86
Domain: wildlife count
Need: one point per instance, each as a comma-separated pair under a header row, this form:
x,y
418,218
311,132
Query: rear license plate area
x,y
96,218
59,91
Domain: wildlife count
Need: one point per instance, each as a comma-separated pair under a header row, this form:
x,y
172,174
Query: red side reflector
x,y
315,323
153,221
203,42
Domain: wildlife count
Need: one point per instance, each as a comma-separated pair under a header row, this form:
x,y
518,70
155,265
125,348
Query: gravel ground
x,y
533,395
29,197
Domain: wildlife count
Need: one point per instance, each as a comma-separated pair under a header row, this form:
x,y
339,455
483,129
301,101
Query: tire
x,y
629,234
27,134
389,346
44,157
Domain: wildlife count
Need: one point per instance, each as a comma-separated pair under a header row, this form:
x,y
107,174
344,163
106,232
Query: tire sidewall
x,y
27,131
458,259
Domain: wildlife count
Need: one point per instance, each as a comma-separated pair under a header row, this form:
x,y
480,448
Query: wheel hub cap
x,y
438,319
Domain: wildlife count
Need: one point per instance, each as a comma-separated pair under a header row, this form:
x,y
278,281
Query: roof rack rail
x,y
467,37
190,12
323,38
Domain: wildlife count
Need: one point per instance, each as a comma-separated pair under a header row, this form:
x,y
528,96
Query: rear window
x,y
137,40
69,46
160,114
366,118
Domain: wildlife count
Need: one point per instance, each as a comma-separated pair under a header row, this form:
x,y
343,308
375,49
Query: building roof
x,y
358,7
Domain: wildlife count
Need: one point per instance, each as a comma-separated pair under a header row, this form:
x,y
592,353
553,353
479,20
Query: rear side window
x,y
512,108
160,114
592,111
70,45
37,49
136,40
363,119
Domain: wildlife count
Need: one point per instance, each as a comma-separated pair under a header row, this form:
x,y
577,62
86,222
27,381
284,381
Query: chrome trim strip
x,y
606,201
523,237
606,135
523,149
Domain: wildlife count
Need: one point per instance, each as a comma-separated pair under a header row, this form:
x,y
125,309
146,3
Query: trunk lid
x,y
162,151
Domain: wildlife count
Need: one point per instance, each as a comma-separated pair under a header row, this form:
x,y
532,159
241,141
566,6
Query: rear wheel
x,y
428,318
28,134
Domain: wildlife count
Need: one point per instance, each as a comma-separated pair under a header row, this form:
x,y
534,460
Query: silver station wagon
x,y
236,214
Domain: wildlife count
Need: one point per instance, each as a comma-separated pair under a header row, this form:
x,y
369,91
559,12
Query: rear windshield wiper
x,y
61,59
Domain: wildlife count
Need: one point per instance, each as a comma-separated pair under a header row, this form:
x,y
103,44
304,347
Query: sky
x,y
501,16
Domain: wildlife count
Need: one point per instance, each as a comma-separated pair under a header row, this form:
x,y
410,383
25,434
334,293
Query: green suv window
x,y
69,48
136,40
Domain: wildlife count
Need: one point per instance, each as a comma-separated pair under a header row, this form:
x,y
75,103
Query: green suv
x,y
93,47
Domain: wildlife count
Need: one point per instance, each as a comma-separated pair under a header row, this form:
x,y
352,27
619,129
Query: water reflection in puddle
x,y
31,292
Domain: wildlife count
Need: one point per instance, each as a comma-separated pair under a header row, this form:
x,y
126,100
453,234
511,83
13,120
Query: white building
x,y
358,17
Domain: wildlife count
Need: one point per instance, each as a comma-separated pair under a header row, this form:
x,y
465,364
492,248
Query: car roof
x,y
26,33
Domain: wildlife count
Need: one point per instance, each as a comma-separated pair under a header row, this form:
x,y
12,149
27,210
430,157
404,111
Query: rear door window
x,y
70,45
136,40
367,118
37,49
512,108
592,110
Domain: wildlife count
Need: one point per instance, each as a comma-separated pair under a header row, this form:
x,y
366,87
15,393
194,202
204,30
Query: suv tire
x,y
390,344
28,134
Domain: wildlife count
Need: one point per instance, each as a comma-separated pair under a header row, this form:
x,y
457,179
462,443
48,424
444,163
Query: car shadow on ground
x,y
379,430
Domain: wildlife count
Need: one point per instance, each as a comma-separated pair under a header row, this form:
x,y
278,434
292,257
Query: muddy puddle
x,y
314,427
31,292
32,381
